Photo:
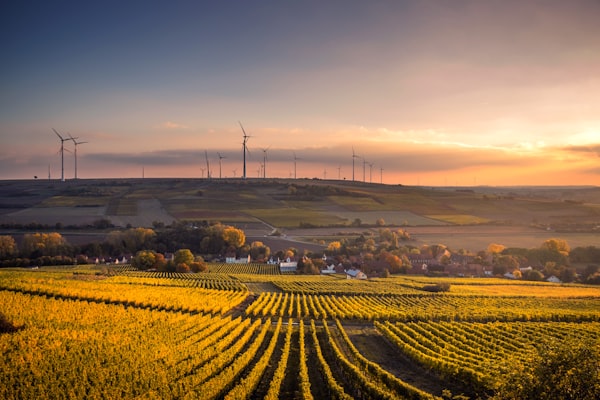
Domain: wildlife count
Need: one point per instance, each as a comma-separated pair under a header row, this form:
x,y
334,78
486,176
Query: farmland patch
x,y
54,215
399,218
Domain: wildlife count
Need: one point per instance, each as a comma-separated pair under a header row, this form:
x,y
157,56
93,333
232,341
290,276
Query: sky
x,y
425,92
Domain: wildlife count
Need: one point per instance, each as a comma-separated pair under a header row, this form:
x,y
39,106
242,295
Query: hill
x,y
312,209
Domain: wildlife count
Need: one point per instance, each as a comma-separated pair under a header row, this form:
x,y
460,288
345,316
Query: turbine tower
x,y
364,164
354,155
265,161
295,159
220,158
75,142
245,148
62,154
207,164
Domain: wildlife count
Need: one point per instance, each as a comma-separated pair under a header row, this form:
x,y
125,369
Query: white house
x,y
288,266
233,260
554,279
330,269
355,274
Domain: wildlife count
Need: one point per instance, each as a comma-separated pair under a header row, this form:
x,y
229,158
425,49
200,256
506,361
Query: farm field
x,y
246,331
308,210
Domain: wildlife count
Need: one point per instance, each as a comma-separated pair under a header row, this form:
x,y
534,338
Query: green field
x,y
245,331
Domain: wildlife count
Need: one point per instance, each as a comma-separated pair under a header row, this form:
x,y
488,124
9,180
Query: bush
x,y
182,267
438,287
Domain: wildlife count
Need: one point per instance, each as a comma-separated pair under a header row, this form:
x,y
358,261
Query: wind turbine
x,y
339,168
75,142
371,172
295,159
234,172
381,174
364,164
220,158
354,155
62,154
265,161
207,164
245,148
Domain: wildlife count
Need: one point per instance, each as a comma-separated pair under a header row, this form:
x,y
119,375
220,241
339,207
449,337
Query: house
x,y
355,274
234,260
288,266
330,269
553,279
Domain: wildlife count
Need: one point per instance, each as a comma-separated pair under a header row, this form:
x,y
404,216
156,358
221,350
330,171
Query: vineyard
x,y
87,332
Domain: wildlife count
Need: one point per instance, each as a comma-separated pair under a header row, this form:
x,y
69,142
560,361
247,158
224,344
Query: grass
x,y
74,201
459,219
294,217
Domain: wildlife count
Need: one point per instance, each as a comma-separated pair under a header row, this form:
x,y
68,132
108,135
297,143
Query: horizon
x,y
292,180
464,94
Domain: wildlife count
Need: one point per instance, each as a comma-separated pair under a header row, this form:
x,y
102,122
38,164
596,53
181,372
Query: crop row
x,y
424,307
250,268
477,353
78,349
134,294
202,280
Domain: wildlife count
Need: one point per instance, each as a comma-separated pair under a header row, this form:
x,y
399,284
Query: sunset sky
x,y
428,92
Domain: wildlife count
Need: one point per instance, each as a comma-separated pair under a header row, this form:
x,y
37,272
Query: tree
x,y
494,248
533,275
234,237
198,265
557,370
144,259
43,244
394,262
8,247
258,251
183,256
380,222
557,245
160,263
131,240
334,247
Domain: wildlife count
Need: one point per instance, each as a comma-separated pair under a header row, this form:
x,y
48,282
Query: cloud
x,y
592,149
172,125
160,157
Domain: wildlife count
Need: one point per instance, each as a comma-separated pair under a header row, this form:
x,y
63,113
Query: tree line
x,y
387,251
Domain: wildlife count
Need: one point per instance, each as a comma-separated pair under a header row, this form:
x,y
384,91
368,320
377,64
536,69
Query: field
x,y
310,210
245,331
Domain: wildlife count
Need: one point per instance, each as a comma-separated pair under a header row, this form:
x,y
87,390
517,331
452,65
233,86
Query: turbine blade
x,y
58,134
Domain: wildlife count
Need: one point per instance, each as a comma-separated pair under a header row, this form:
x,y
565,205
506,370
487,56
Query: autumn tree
x,y
43,244
8,247
334,247
144,259
183,256
199,265
554,250
258,251
234,237
494,248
